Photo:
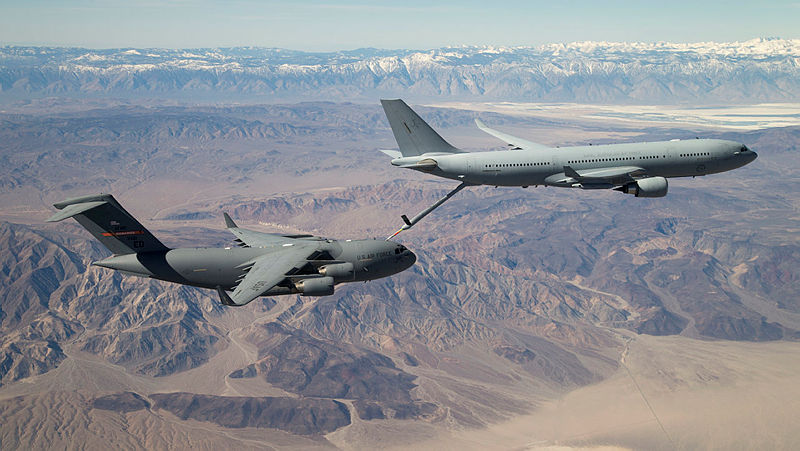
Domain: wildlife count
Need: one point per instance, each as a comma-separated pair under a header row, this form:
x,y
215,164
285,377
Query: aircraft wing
x,y
266,272
518,143
598,176
250,238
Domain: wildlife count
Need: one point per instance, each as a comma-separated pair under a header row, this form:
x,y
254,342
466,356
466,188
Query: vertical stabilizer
x,y
413,135
114,227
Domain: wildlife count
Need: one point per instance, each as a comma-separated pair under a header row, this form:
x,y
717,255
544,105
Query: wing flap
x,y
518,143
604,176
609,173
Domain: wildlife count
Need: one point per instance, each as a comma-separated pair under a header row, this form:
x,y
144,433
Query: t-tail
x,y
413,135
114,227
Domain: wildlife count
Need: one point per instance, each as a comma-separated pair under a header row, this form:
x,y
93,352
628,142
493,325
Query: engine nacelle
x,y
338,271
317,286
648,187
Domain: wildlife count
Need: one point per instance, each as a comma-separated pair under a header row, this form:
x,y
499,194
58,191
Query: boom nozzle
x,y
409,223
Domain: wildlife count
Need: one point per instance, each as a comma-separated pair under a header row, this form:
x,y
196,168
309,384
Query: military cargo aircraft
x,y
263,264
640,169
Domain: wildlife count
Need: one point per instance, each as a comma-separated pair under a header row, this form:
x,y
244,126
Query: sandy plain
x,y
670,393
731,117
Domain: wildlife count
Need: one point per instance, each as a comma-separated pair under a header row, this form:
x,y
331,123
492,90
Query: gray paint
x,y
210,267
298,259
546,167
604,166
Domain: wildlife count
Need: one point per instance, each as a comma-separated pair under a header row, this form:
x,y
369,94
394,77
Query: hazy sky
x,y
338,25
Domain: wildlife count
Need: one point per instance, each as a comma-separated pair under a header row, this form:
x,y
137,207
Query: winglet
x,y
223,296
229,222
517,143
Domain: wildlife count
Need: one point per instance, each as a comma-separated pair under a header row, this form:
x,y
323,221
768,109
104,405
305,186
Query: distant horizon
x,y
454,46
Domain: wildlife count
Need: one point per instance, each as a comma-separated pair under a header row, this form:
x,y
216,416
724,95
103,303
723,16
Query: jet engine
x,y
317,286
648,187
338,271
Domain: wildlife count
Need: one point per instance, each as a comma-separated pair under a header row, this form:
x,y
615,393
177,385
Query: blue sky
x,y
317,25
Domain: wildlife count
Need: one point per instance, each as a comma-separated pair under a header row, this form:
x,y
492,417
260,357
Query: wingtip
x,y
386,102
484,128
570,172
224,298
229,222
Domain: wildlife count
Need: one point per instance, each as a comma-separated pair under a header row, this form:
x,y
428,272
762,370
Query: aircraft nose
x,y
748,157
411,258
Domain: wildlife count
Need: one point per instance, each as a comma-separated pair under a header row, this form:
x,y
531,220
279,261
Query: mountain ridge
x,y
759,70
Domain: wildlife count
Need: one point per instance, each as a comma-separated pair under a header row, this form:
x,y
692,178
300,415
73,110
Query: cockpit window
x,y
744,149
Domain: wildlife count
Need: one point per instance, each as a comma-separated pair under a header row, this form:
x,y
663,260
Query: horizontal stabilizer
x,y
74,209
109,223
392,153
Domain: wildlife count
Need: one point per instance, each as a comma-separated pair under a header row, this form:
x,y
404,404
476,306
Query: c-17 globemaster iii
x,y
263,264
640,169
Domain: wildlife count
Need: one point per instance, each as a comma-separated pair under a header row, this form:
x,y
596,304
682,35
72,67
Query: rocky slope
x,y
50,297
517,296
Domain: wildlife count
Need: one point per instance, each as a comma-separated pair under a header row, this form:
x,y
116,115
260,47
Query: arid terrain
x,y
536,318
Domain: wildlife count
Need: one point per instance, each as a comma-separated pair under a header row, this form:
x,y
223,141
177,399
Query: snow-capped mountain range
x,y
755,71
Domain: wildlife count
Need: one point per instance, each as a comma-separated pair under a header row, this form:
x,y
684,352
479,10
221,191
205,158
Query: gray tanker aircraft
x,y
263,264
640,169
